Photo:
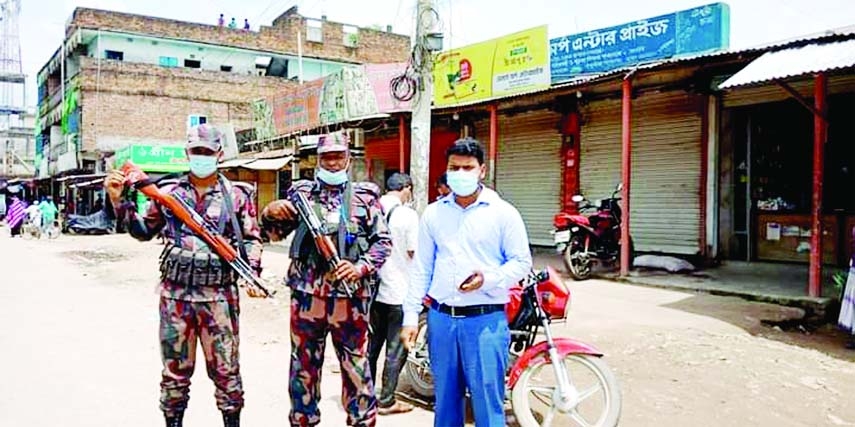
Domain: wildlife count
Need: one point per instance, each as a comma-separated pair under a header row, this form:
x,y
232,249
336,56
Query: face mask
x,y
203,166
332,178
463,183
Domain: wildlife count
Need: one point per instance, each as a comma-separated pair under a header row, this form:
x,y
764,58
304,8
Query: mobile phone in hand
x,y
466,281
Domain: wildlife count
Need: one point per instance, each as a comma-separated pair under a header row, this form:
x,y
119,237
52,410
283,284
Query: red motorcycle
x,y
556,381
583,240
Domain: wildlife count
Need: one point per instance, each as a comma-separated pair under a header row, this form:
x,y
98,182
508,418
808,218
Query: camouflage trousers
x,y
346,319
215,325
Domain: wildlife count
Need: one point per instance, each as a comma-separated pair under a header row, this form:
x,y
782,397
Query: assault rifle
x,y
201,227
322,241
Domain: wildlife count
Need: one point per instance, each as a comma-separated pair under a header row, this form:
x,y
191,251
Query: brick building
x,y
120,79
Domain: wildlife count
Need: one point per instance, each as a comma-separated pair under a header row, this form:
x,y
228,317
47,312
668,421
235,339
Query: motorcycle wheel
x,y
577,263
417,367
599,401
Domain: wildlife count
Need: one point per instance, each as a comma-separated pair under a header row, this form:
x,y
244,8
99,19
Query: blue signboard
x,y
693,31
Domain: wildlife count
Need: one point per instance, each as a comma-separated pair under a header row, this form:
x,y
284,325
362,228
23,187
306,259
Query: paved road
x,y
80,349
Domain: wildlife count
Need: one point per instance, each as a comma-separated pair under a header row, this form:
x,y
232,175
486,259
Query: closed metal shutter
x,y
528,170
666,167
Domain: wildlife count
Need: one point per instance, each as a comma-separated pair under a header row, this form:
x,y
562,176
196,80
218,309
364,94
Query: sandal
x,y
397,408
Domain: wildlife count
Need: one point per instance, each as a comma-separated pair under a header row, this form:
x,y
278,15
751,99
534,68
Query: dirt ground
x,y
80,349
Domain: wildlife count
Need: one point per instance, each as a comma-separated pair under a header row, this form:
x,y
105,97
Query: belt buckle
x,y
454,315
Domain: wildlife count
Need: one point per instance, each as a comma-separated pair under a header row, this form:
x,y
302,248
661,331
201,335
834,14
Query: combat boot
x,y
174,420
231,419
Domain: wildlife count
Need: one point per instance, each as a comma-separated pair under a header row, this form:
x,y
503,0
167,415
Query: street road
x,y
79,348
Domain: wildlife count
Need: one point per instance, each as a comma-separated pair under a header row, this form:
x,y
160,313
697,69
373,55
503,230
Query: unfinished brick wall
x,y
373,46
133,102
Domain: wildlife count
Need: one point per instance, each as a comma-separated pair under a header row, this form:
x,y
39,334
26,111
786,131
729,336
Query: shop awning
x,y
274,164
85,184
795,62
233,163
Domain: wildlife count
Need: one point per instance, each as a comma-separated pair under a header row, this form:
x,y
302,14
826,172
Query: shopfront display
x,y
772,181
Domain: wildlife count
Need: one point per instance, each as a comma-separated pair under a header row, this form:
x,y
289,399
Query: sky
x,y
752,22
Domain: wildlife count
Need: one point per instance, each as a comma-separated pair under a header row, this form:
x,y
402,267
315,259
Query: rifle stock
x,y
194,221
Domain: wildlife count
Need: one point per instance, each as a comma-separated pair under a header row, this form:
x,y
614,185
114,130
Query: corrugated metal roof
x,y
794,62
268,164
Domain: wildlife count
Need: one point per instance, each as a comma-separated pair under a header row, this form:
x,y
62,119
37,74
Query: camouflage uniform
x,y
319,305
209,313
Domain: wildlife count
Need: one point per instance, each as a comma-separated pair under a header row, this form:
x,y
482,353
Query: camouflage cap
x,y
335,141
206,136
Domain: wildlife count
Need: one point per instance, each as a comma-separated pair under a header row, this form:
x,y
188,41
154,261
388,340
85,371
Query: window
x,y
168,61
314,31
192,63
226,68
351,36
114,55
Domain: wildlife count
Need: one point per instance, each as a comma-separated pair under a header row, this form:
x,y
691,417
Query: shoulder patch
x,y
367,188
303,186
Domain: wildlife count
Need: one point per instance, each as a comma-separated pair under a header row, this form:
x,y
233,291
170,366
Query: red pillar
x,y
819,128
626,173
402,148
494,137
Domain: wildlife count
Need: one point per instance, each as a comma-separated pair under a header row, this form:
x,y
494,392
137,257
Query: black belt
x,y
466,310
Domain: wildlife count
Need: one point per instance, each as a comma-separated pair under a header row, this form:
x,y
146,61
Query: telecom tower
x,y
12,79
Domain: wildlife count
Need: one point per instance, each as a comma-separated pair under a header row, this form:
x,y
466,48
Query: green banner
x,y
154,158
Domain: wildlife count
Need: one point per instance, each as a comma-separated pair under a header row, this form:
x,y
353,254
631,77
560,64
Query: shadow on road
x,y
770,321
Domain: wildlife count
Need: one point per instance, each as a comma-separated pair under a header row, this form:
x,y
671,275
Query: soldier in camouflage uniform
x,y
353,215
198,292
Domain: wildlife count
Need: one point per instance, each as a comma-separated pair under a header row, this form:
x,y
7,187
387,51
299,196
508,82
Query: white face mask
x,y
203,166
463,183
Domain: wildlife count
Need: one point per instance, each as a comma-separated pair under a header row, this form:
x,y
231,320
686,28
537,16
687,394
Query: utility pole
x,y
420,123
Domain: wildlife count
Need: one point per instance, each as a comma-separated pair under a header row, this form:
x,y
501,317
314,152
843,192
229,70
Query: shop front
x,y
768,168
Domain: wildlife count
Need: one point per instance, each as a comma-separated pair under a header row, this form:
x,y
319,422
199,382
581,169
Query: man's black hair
x,y
469,147
398,181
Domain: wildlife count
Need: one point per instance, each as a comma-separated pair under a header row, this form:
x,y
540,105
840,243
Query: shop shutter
x,y
528,170
666,166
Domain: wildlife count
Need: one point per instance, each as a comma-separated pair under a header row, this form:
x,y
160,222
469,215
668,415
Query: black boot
x,y
851,344
231,419
174,420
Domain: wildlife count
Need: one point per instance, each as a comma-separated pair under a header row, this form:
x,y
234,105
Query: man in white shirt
x,y
387,309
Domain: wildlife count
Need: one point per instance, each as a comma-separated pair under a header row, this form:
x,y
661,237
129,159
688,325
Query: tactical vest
x,y
202,266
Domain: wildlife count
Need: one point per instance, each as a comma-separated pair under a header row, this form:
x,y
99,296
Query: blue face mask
x,y
463,183
203,166
332,178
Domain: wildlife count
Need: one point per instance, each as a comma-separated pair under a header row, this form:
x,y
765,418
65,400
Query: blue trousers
x,y
468,353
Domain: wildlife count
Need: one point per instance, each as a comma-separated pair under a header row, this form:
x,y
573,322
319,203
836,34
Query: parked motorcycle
x,y
583,240
96,223
556,381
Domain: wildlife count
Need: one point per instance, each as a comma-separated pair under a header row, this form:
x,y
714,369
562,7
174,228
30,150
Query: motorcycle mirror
x,y
619,187
577,198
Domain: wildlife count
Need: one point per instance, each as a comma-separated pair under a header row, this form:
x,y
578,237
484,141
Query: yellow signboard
x,y
507,65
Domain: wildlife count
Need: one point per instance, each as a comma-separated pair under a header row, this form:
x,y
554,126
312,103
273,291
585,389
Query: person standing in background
x,y
846,319
15,215
387,311
442,186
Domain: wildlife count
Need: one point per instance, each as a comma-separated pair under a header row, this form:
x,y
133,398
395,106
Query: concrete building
x,y
120,79
17,147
